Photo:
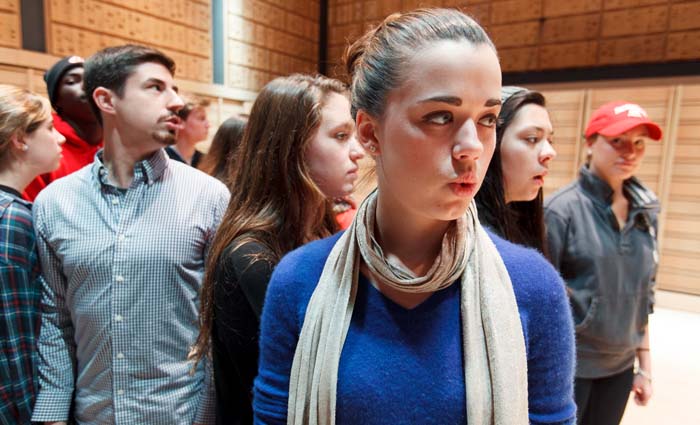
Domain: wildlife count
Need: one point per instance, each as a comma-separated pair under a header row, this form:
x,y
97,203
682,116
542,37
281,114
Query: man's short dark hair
x,y
111,67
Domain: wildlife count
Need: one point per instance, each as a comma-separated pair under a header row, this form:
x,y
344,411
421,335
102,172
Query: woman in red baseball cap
x,y
601,232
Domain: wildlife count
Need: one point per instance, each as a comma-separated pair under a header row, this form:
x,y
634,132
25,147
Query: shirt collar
x,y
12,195
147,171
601,191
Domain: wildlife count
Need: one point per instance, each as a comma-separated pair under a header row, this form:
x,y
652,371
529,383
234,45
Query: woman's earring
x,y
372,148
25,147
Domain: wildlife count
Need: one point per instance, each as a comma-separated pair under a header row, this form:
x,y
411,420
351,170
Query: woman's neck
x,y
416,241
16,178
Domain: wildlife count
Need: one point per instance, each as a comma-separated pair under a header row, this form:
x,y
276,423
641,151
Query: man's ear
x,y
367,132
104,99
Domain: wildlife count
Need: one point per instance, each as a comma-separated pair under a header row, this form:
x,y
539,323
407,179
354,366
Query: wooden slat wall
x,y
267,38
552,34
180,28
26,69
680,260
10,35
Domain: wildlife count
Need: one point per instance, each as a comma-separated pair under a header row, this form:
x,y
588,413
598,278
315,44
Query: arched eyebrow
x,y
456,101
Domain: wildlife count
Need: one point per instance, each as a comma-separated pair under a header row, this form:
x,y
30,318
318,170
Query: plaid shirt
x,y
122,272
19,310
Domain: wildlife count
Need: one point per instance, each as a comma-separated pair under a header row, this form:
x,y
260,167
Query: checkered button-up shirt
x,y
123,269
19,310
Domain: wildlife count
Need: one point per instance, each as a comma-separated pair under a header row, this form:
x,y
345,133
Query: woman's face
x,y
526,149
615,159
434,141
333,152
43,152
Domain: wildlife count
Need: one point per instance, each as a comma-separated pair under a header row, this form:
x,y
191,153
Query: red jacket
x,y
77,153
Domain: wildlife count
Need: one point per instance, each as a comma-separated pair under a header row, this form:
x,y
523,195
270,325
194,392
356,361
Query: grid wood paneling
x,y
180,28
536,35
10,35
26,69
268,38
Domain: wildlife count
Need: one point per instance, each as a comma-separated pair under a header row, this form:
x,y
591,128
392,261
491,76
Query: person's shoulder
x,y
237,257
65,187
534,279
15,212
308,258
298,272
563,198
194,179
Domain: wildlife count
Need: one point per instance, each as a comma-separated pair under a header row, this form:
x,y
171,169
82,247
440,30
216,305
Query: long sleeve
x,y
551,352
206,412
557,228
279,332
56,341
19,311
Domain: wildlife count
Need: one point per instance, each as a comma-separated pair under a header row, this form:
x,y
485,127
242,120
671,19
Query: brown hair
x,y
192,103
274,200
218,162
111,67
521,222
21,112
375,61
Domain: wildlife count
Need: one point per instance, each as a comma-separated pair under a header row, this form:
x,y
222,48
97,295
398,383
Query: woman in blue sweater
x,y
415,314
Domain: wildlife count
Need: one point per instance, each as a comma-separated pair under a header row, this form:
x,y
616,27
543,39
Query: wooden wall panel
x,y
10,35
566,110
26,69
680,260
180,28
563,34
268,38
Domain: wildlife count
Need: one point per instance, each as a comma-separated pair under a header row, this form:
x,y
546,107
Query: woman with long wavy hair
x,y
298,153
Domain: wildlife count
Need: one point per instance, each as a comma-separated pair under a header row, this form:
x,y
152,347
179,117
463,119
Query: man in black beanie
x,y
72,118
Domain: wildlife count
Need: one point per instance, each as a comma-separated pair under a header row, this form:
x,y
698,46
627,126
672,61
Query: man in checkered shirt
x,y
123,243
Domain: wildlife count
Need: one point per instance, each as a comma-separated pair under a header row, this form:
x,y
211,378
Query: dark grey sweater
x,y
609,272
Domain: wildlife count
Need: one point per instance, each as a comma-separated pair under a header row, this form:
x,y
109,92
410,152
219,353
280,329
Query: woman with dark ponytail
x,y
510,199
415,314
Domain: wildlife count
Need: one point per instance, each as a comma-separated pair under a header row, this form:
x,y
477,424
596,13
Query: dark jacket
x,y
609,272
173,154
241,276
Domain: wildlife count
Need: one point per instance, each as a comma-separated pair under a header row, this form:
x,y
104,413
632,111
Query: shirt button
x,y
120,392
115,201
119,278
121,237
120,355
118,317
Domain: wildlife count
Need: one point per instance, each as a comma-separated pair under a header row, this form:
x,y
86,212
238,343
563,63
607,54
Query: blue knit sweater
x,y
405,366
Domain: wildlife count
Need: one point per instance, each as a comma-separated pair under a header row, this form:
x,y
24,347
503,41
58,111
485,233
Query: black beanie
x,y
55,73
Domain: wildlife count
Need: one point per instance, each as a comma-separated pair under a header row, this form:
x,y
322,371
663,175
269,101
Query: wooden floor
x,y
675,341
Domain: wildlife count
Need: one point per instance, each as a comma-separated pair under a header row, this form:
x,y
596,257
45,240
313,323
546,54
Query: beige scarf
x,y
494,348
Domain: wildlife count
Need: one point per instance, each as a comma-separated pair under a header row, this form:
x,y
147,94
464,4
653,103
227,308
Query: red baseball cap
x,y
614,118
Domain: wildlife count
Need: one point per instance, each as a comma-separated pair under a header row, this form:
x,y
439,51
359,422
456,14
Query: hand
x,y
641,387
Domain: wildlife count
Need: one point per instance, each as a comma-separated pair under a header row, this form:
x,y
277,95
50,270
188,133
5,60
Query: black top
x,y
173,154
609,270
241,277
